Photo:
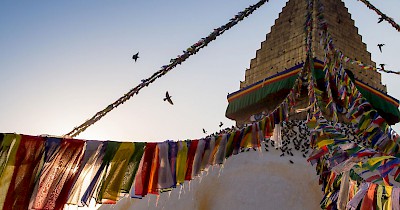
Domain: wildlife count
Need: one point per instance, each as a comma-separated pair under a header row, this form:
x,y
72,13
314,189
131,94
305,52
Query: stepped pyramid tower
x,y
273,70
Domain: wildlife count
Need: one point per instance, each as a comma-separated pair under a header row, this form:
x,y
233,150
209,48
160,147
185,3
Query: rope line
x,y
389,71
203,42
383,16
360,64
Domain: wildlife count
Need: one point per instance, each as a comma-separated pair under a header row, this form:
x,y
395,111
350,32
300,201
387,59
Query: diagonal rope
x,y
389,71
363,66
166,68
383,16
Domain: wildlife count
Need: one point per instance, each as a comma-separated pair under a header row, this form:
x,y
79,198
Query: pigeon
x,y
168,98
291,161
380,19
380,46
135,56
204,131
382,66
221,124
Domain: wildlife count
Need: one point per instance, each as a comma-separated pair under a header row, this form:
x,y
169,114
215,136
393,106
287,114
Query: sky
x,y
63,61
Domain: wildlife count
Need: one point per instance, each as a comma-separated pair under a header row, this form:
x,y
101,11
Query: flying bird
x,y
204,131
221,124
380,46
168,98
380,19
135,56
382,66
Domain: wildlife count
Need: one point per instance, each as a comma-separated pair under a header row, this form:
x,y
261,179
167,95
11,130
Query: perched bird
x,y
382,66
380,19
291,161
135,56
204,131
221,124
168,98
380,46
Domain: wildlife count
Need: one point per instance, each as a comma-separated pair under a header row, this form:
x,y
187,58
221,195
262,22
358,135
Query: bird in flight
x,y
382,66
221,124
204,131
135,56
168,98
380,19
380,47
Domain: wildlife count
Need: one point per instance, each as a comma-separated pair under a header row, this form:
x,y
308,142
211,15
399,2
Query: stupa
x,y
274,69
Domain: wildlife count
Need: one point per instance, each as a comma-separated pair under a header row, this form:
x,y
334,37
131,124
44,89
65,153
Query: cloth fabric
x,y
229,144
368,201
172,155
190,159
57,175
91,155
206,154
379,195
214,149
198,158
181,159
344,191
132,167
388,191
395,198
26,167
155,165
93,175
255,141
165,179
9,149
141,186
246,140
236,141
8,141
242,99
220,155
110,188
353,203
277,136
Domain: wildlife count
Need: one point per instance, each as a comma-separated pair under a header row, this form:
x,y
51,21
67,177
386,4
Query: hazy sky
x,y
62,61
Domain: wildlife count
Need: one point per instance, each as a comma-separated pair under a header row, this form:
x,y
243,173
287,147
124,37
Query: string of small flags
x,y
193,49
383,16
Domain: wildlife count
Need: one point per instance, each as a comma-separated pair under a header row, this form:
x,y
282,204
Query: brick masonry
x,y
284,46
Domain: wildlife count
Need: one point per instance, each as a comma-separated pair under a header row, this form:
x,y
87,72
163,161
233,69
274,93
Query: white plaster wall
x,y
249,180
